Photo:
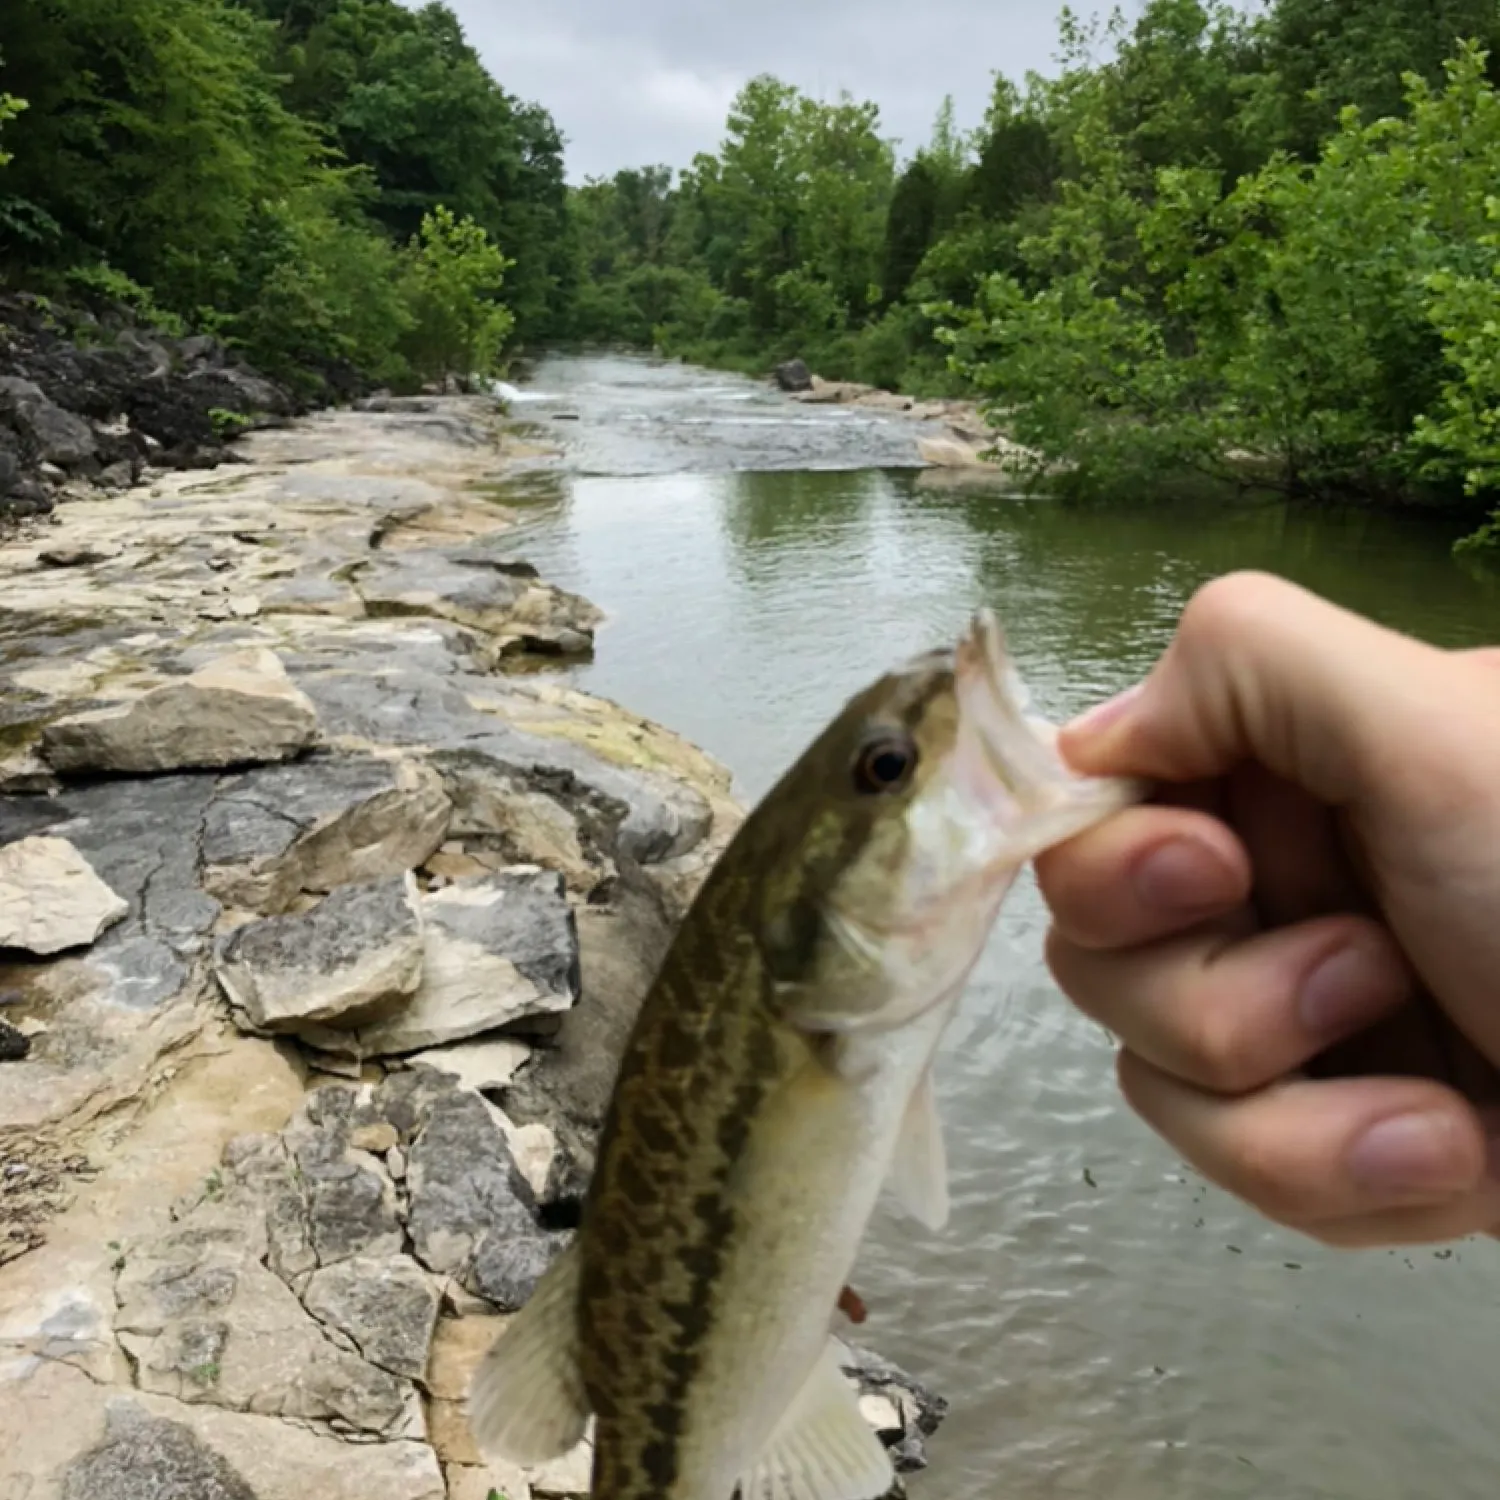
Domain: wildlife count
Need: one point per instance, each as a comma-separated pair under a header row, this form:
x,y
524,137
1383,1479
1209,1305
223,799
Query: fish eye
x,y
885,764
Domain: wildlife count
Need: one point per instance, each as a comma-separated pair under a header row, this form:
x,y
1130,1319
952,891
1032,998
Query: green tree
x,y
1320,328
454,273
1322,55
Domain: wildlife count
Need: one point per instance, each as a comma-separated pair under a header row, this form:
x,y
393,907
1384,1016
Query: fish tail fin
x,y
527,1402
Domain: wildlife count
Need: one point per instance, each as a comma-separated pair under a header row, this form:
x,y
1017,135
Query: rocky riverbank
x,y
89,403
321,923
966,441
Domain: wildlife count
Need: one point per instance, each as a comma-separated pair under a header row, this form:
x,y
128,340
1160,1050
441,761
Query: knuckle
x,y
1215,1048
1220,610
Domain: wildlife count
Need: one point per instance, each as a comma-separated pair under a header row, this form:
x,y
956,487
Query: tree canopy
x,y
1255,242
261,169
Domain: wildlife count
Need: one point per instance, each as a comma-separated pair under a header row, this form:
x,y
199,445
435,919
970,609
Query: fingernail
x,y
1184,875
1411,1154
1102,715
1351,985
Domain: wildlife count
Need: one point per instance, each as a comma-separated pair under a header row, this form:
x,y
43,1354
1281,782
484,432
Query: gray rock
x,y
15,1045
10,470
464,1185
567,827
319,824
483,593
568,1083
354,958
388,1307
351,1209
508,1265
483,1066
149,1458
82,556
498,951
142,837
239,709
793,376
47,433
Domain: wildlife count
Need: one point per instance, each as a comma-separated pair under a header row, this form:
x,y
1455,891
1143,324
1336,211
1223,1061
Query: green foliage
x,y
256,167
1296,330
10,107
103,285
776,245
453,276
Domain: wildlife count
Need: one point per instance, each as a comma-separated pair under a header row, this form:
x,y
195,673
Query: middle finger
x,y
1230,1013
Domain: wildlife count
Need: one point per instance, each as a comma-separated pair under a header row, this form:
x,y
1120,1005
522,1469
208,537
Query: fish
x,y
778,1078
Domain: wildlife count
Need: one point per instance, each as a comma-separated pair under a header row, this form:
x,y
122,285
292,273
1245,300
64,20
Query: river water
x,y
1103,1323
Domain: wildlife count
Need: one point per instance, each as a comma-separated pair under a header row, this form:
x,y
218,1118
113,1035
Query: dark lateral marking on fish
x,y
677,1048
659,1459
634,1183
655,1133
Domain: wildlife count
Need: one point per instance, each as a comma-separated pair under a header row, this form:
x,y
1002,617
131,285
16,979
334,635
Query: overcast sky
x,y
633,82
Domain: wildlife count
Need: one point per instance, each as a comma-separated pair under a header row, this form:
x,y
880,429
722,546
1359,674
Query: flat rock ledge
x,y
320,932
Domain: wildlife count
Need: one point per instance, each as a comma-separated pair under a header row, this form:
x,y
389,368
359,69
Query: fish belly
x,y
811,1178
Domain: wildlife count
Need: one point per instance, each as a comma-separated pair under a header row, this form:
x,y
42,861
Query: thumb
x,y
1263,670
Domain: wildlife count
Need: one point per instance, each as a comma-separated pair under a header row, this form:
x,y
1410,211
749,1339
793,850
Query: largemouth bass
x,y
778,1076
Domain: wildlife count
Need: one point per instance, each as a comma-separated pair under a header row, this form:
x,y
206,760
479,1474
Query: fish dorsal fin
x,y
919,1170
822,1449
527,1403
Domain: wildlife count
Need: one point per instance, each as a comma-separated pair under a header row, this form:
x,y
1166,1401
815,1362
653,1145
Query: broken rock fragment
x,y
353,958
51,899
498,952
239,709
321,823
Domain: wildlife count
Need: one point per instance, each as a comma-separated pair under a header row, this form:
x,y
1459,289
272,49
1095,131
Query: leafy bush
x,y
452,278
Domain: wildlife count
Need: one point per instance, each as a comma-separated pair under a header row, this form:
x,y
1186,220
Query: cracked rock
x,y
239,709
207,1323
351,959
321,823
388,1307
500,951
463,1182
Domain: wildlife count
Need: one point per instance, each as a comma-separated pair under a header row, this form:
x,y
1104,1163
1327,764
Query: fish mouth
x,y
997,735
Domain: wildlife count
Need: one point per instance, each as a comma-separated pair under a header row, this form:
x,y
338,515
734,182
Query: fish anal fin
x,y
527,1403
822,1449
919,1169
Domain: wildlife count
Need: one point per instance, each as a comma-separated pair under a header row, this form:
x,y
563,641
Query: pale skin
x,y
1297,941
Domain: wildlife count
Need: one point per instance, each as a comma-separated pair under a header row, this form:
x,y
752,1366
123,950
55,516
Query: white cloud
x,y
651,80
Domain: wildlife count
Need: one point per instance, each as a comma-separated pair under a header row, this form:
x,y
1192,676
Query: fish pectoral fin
x,y
822,1449
527,1403
919,1169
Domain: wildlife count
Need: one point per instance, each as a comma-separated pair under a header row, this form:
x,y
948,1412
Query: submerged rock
x,y
240,709
51,898
351,959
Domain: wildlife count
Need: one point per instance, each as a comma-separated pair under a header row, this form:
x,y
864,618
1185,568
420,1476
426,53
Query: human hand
x,y
1298,944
